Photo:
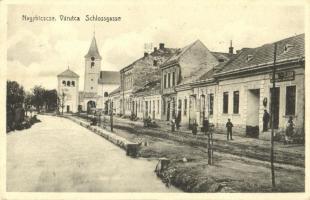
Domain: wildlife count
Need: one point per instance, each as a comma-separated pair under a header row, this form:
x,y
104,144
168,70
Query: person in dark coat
x,y
206,125
229,126
266,119
194,129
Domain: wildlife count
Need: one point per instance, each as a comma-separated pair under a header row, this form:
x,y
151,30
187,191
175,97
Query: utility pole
x,y
272,116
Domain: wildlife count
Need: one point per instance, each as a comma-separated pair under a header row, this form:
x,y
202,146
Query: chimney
x,y
161,46
145,54
155,49
231,48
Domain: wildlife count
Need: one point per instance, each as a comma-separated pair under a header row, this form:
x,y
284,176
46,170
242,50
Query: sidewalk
x,y
242,146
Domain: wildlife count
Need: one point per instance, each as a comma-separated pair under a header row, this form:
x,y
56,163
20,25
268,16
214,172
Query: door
x,y
277,106
68,109
168,111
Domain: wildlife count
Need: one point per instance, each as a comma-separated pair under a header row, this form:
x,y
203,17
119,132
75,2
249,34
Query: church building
x,y
97,84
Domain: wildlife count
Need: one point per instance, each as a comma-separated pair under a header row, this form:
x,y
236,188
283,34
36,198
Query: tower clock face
x,y
92,58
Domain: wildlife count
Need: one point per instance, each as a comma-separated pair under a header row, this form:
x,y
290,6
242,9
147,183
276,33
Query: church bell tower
x,y
92,68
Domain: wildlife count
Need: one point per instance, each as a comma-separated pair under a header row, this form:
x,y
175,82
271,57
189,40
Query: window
x,y
185,107
168,80
64,83
73,83
153,106
105,94
150,107
92,58
155,62
91,79
211,103
165,81
92,64
290,100
173,78
68,83
225,102
91,88
249,57
236,102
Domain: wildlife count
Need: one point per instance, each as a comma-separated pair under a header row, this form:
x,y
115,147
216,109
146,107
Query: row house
x,y
148,101
186,66
136,75
244,86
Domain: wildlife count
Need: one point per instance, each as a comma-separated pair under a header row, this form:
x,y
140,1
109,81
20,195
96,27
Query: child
x,y
229,126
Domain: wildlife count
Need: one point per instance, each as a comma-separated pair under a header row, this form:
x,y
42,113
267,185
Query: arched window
x,y
92,64
68,83
73,83
106,94
63,83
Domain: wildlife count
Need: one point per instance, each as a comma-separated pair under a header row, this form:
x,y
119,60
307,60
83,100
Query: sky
x,y
38,51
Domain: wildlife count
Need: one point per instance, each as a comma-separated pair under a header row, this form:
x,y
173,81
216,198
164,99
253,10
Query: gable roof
x,y
109,77
68,73
249,58
179,52
93,50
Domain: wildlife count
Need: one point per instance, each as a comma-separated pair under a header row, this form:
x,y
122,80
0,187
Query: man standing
x,y
229,126
266,119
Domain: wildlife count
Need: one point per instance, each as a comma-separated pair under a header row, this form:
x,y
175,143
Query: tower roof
x,y
68,73
93,50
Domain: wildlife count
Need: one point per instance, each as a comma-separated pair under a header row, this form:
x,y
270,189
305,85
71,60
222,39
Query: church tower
x,y
92,68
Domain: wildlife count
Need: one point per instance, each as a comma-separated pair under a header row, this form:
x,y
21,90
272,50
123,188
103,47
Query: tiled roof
x,y
251,57
93,50
144,70
109,77
68,73
150,88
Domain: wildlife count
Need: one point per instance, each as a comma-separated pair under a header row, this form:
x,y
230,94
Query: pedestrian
x,y
206,126
266,119
289,131
194,128
172,124
177,122
229,126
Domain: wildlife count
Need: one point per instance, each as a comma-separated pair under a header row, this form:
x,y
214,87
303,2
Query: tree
x,y
38,97
50,100
28,101
15,96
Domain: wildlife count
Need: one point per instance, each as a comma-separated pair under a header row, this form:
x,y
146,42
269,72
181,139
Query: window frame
x,y
225,107
286,101
235,93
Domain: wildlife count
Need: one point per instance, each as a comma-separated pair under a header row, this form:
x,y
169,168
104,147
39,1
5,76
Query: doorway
x,y
68,109
252,118
276,108
168,111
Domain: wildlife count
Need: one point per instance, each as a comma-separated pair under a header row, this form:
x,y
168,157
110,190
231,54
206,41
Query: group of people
x,y
175,124
290,127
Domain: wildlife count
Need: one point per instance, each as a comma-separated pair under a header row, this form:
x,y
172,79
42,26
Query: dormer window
x,y
221,60
287,47
68,83
249,57
154,62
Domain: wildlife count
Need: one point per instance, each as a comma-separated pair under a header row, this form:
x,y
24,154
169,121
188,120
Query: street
x,y
57,155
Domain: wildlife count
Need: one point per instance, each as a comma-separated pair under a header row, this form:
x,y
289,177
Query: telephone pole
x,y
272,116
